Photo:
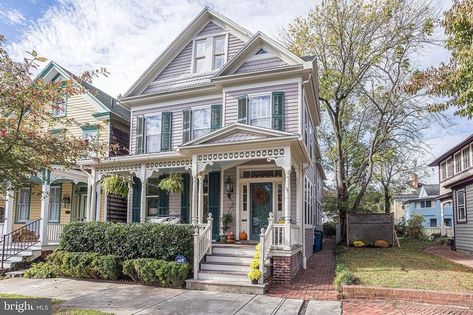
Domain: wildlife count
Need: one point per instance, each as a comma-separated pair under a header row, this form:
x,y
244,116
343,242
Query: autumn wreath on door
x,y
260,195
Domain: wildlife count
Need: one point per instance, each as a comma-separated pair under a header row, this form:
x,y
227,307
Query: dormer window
x,y
209,53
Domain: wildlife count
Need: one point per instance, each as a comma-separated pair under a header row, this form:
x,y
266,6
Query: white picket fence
x,y
428,231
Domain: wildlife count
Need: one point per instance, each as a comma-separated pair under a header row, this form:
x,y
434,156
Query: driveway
x,y
123,298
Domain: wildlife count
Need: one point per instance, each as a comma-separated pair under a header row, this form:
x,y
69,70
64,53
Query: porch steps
x,y
225,270
31,253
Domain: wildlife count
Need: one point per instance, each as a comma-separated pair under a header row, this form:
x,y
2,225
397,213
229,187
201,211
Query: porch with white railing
x,y
54,231
202,243
447,231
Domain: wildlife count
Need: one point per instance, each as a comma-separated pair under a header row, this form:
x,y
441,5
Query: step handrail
x,y
265,241
12,246
202,244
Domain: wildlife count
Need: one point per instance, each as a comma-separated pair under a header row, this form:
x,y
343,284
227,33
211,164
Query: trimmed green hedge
x,y
86,265
129,241
156,272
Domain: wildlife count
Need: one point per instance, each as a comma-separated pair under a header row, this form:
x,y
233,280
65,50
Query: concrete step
x,y
223,275
223,258
236,250
219,266
244,287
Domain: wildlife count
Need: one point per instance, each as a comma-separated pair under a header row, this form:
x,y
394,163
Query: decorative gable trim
x,y
181,41
258,41
237,130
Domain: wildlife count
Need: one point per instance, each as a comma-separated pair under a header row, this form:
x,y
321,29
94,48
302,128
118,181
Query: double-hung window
x,y
54,204
209,53
23,205
91,137
218,52
157,200
59,107
443,170
200,55
201,122
260,111
460,205
466,157
449,167
458,162
426,204
153,133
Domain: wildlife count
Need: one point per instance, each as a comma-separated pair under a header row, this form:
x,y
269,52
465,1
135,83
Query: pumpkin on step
x,y
243,236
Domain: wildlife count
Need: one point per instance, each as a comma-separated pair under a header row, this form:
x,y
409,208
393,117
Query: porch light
x,y
229,187
66,202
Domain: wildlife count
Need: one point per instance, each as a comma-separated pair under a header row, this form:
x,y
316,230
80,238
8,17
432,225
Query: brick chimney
x,y
415,181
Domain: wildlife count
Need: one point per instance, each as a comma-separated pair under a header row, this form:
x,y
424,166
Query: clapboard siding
x,y
175,204
209,29
180,66
464,231
293,197
309,242
234,45
176,110
291,115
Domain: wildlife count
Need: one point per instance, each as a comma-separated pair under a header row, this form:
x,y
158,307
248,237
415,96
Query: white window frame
x,y
55,204
23,206
457,168
209,51
97,139
468,158
460,191
254,95
145,134
448,169
208,107
224,53
442,165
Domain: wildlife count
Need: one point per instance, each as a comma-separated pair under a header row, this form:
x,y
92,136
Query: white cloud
x,y
126,36
11,16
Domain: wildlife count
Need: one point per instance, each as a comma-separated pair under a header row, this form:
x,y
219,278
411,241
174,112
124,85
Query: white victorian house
x,y
236,115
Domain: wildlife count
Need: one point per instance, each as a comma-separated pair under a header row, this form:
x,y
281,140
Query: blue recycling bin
x,y
318,240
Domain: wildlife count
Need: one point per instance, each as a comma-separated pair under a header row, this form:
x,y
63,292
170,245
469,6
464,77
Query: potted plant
x,y
254,274
116,184
223,238
172,183
227,219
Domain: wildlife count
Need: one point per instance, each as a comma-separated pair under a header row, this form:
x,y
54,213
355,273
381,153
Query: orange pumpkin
x,y
243,236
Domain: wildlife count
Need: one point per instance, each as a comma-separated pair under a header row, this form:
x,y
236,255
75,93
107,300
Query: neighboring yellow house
x,y
61,195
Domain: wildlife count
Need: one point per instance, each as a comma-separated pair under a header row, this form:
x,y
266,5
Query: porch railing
x,y
202,243
448,231
20,240
54,232
295,235
2,226
266,240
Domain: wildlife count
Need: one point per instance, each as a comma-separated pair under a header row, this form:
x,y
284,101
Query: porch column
x,y
194,199
201,198
43,233
129,203
9,202
287,207
98,204
300,213
144,182
88,200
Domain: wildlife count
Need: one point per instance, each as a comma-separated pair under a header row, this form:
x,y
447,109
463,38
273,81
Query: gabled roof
x,y
180,42
252,46
104,101
237,133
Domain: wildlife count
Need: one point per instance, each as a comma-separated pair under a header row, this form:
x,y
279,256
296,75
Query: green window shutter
x,y
186,125
278,110
163,200
139,137
243,109
216,117
166,130
185,198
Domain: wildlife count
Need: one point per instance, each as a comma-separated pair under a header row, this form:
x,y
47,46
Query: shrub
x,y
129,241
86,265
329,228
401,229
414,227
344,277
149,271
41,270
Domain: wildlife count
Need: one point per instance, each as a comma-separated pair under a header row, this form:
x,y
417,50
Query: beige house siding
x,y
464,231
291,106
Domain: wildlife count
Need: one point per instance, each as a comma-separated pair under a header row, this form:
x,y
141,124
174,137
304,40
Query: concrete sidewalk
x,y
121,298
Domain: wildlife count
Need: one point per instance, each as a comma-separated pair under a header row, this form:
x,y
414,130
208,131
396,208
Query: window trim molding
x,y
17,221
465,220
209,51
249,96
200,107
145,142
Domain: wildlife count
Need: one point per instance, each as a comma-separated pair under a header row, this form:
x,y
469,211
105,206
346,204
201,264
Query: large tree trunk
x,y
387,200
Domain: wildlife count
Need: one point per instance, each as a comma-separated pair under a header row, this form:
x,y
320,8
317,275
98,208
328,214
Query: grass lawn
x,y
406,267
57,309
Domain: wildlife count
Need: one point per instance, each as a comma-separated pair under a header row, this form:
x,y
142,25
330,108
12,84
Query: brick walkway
x,y
314,283
373,307
447,253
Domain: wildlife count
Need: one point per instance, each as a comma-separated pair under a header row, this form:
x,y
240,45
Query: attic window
x,y
210,53
261,52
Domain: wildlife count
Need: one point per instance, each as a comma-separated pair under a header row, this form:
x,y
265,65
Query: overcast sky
x,y
125,36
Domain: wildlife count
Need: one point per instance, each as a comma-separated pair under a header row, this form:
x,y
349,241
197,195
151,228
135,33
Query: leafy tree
x,y
453,81
363,50
27,145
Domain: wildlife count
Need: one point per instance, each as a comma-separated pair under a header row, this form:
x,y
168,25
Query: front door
x,y
261,206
